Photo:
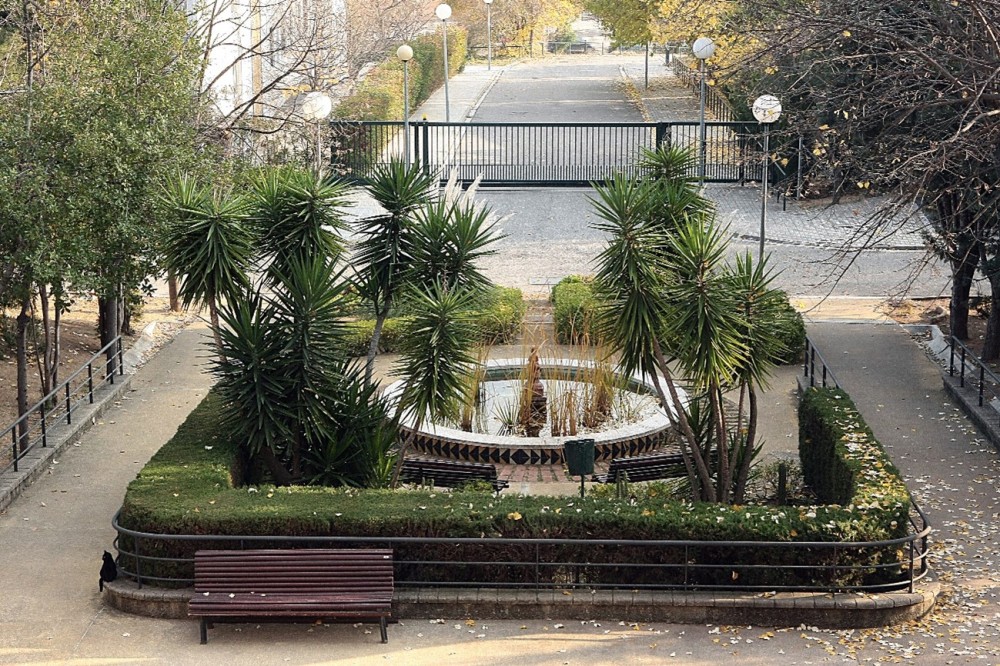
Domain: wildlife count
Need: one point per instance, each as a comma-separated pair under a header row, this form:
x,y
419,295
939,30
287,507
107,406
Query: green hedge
x,y
380,95
574,308
792,330
189,488
498,321
845,465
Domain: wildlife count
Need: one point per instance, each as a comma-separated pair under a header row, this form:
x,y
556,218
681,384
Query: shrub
x,y
844,464
498,321
574,310
189,488
379,95
792,331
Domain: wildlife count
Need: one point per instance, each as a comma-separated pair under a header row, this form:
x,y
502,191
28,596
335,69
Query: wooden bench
x,y
644,468
291,585
449,473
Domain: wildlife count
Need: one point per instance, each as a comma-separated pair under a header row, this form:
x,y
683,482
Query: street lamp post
x,y
767,110
317,106
489,35
443,12
405,54
703,49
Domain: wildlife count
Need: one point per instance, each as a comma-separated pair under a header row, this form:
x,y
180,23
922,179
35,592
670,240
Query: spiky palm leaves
x,y
207,244
672,305
435,357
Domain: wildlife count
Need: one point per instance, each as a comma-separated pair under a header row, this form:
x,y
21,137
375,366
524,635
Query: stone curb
x,y
823,610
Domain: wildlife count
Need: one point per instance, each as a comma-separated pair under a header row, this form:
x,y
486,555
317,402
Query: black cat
x,y
109,570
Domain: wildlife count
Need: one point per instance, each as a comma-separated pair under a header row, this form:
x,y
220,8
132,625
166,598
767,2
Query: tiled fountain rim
x,y
654,423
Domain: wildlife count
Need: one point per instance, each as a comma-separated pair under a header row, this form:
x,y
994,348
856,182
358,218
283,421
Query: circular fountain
x,y
640,425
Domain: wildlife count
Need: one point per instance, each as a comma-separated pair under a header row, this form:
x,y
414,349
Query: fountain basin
x,y
641,436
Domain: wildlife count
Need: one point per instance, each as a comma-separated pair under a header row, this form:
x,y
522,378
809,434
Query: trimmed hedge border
x,y
575,316
498,321
188,488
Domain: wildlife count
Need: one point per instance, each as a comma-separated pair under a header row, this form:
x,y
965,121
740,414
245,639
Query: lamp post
x,y
489,35
703,49
405,54
443,12
767,110
315,108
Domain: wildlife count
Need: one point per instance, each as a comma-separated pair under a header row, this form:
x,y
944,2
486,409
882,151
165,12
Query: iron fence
x,y
809,367
541,154
32,428
715,102
972,367
590,564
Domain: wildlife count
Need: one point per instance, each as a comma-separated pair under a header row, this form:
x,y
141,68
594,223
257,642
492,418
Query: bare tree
x,y
260,55
901,96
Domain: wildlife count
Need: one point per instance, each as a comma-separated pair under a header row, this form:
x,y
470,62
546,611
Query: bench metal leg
x,y
204,631
385,633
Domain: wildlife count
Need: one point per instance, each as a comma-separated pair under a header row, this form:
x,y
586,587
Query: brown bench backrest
x,y
307,570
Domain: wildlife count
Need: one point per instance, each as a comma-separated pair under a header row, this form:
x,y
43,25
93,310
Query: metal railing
x,y
32,428
591,564
541,154
715,102
809,367
972,366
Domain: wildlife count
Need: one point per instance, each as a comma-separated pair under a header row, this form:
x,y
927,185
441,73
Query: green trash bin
x,y
579,455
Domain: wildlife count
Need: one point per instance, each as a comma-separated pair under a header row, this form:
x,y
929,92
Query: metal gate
x,y
540,154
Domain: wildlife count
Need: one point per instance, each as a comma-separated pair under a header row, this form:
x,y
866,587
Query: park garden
x,y
299,441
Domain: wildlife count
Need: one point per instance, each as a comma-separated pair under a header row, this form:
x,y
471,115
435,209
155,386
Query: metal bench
x,y
292,585
449,473
644,468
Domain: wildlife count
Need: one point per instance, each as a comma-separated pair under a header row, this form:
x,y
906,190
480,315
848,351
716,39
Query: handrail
x,y
61,397
131,558
968,356
809,367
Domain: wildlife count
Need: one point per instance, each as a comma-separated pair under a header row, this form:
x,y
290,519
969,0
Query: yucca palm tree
x,y
207,244
677,312
298,214
384,254
436,356
284,367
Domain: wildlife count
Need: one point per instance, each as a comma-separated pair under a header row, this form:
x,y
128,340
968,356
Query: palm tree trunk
x,y
213,315
705,475
373,345
723,483
748,444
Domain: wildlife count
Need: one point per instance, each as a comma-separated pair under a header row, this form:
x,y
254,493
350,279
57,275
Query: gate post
x,y
662,134
425,156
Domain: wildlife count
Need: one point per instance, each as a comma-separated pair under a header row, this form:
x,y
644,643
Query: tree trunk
x,y
373,345
280,475
991,342
748,445
108,318
963,272
175,302
213,315
43,350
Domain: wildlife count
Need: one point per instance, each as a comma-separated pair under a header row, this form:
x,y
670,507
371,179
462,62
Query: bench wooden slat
x,y
308,583
644,468
449,473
